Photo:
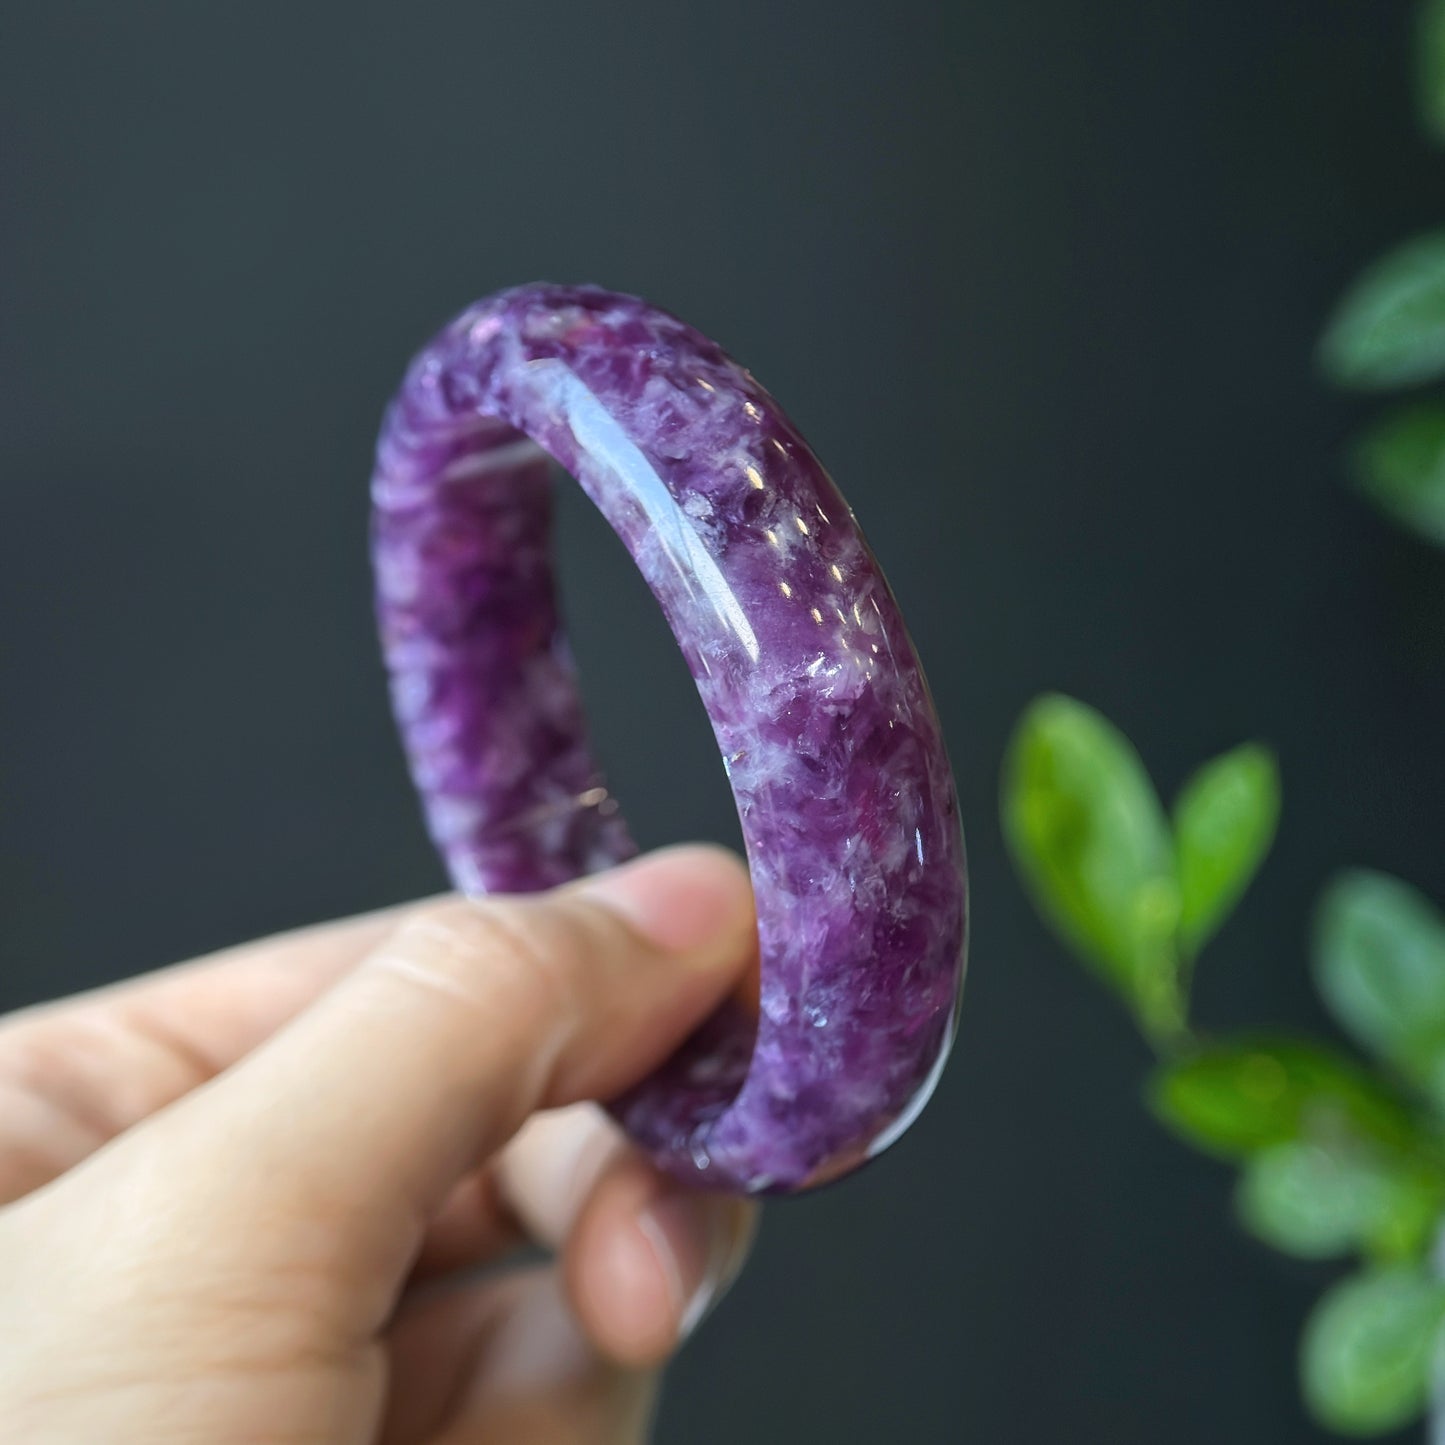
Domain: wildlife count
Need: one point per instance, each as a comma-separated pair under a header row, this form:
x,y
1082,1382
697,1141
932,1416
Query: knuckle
x,y
523,956
57,1073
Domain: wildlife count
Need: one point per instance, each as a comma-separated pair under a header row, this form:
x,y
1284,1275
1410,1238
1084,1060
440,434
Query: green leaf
x,y
1235,1099
1430,68
1224,822
1317,1200
1400,466
1090,838
1380,964
1369,1350
1389,330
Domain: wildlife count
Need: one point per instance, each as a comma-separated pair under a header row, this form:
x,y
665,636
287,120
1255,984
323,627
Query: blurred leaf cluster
x,y
1388,334
1338,1156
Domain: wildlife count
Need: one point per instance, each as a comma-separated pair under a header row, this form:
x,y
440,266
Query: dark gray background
x,y
1039,281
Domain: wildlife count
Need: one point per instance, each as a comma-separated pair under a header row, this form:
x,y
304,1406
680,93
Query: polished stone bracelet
x,y
827,731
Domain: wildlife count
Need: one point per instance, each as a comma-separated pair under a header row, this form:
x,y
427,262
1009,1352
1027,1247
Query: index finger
x,y
77,1072
356,1119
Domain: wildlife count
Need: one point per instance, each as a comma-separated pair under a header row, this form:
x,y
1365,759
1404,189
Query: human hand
x,y
241,1196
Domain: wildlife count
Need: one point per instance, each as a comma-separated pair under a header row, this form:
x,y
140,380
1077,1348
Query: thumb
x,y
354,1121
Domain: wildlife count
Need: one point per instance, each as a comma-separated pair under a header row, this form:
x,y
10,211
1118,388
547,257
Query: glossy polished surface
x,y
816,697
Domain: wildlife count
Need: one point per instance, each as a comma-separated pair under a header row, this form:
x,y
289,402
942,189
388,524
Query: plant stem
x,y
1161,1007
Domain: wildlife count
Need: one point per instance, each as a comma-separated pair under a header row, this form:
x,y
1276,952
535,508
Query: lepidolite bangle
x,y
821,711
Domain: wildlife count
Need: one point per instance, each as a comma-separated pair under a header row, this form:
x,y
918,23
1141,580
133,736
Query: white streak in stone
x,y
499,459
603,441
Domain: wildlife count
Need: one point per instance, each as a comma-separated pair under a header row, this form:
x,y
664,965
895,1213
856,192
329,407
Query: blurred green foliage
x,y
1380,964
1094,844
1136,895
1338,1156
1399,464
1234,1099
1389,328
1369,1350
1224,822
1388,333
1430,68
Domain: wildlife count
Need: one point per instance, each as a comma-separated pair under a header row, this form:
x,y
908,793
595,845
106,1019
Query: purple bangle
x,y
827,730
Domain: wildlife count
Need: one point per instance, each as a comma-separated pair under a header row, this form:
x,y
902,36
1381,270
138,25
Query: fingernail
x,y
681,899
701,1242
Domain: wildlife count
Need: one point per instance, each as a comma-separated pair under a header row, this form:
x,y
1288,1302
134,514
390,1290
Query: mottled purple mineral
x,y
822,713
